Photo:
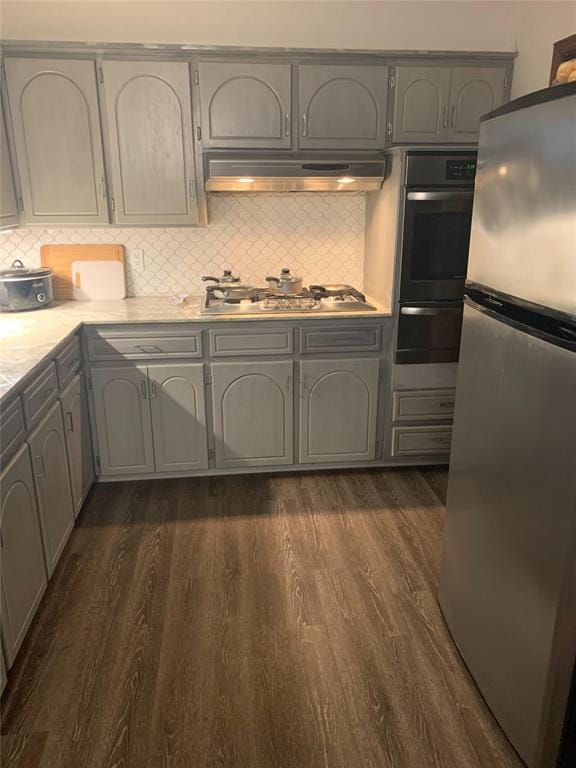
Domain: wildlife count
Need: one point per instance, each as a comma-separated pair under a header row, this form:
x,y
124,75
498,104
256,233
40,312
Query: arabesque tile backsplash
x,y
319,236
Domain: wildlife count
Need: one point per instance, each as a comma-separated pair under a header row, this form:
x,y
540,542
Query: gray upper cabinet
x,y
9,216
445,104
253,411
474,91
78,440
178,417
52,480
23,571
244,104
54,107
342,106
149,115
421,104
339,401
123,421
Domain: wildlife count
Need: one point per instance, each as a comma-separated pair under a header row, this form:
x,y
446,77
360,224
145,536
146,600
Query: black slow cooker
x,y
23,289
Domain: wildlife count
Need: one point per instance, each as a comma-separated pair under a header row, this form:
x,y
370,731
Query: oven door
x,y
429,332
435,244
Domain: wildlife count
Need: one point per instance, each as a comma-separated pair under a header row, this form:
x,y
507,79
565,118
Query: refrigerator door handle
x,y
428,311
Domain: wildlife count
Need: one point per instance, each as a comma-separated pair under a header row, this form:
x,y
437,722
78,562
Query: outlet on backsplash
x,y
136,259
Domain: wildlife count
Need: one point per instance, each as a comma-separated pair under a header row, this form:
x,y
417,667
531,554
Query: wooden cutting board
x,y
60,258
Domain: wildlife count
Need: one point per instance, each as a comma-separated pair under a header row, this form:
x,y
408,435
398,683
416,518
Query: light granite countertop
x,y
28,339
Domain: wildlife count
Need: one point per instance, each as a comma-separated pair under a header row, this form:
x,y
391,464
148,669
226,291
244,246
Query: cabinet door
x,y
253,411
9,215
151,146
52,480
78,440
245,104
339,400
421,104
123,421
23,570
342,107
178,417
54,108
474,91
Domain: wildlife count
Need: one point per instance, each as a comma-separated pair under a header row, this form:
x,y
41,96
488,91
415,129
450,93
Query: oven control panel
x,y
460,169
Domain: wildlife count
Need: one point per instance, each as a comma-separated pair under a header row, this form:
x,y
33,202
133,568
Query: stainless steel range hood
x,y
294,173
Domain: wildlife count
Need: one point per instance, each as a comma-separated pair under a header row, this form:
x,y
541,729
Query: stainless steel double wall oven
x,y
438,194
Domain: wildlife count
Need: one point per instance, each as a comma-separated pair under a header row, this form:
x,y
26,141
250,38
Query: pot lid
x,y
18,271
286,277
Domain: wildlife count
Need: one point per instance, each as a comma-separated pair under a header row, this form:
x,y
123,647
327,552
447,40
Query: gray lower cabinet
x,y
474,91
438,104
178,417
342,106
52,479
3,678
23,571
421,103
253,413
245,104
9,215
78,440
123,420
338,410
54,108
150,138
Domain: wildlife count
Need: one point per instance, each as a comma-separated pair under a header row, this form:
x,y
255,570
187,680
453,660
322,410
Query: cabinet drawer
x,y
411,441
68,362
39,396
366,338
424,404
103,346
264,341
12,428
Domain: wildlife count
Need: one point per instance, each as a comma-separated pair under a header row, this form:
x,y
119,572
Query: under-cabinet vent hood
x,y
294,173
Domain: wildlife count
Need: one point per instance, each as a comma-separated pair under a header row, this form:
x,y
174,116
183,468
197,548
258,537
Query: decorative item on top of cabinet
x,y
151,142
54,108
253,405
245,104
342,106
23,571
9,214
444,104
339,402
78,440
52,479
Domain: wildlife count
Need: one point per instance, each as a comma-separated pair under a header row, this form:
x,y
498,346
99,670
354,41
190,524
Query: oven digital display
x,y
460,169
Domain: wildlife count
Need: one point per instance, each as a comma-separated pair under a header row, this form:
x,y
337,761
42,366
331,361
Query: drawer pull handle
x,y
47,392
447,404
148,348
442,439
144,389
153,389
40,461
70,421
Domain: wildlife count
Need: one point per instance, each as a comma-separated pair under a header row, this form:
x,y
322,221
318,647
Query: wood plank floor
x,y
284,621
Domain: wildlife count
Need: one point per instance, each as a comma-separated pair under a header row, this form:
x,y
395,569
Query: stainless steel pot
x,y
23,289
286,283
228,286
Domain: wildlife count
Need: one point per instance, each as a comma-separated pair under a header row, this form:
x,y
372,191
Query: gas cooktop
x,y
316,300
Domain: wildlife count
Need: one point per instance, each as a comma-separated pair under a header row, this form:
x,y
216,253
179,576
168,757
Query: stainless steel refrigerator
x,y
508,577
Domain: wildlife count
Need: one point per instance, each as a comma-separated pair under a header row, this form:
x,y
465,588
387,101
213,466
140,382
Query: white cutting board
x,y
98,280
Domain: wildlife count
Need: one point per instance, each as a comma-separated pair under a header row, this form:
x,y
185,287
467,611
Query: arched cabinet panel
x,y
54,107
338,410
245,104
123,421
474,92
151,146
421,104
253,408
9,215
342,106
178,417
22,564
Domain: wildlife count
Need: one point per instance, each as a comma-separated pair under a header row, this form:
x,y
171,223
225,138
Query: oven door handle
x,y
429,311
462,194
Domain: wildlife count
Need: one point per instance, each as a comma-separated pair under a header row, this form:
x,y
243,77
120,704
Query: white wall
x,y
530,27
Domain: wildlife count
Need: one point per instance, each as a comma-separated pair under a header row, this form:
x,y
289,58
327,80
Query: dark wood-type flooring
x,y
284,621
